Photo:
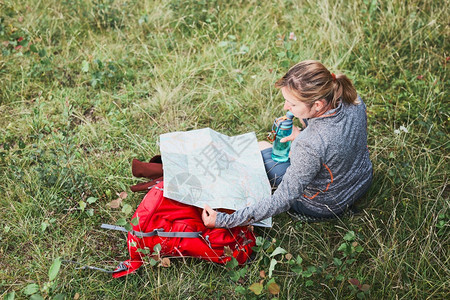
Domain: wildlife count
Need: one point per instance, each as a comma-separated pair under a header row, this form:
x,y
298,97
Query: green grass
x,y
96,82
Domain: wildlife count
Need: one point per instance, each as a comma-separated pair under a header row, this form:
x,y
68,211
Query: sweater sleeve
x,y
305,164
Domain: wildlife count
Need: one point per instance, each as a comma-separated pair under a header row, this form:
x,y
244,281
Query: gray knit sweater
x,y
330,168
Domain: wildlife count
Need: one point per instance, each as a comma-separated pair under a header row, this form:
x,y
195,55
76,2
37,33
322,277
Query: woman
x,y
329,165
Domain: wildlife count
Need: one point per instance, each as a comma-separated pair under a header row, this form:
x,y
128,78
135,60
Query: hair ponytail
x,y
310,81
344,90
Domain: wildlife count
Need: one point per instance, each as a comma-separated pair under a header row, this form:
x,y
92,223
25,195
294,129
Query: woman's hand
x,y
294,134
209,216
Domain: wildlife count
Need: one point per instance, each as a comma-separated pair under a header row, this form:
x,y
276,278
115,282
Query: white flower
x,y
404,129
396,131
292,36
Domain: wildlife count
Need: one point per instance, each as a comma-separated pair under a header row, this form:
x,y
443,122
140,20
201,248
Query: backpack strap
x,y
120,268
159,232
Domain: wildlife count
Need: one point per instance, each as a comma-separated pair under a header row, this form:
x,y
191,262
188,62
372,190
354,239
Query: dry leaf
x,y
354,281
165,262
256,288
364,287
155,257
115,203
262,274
288,256
123,195
273,288
76,297
227,251
354,244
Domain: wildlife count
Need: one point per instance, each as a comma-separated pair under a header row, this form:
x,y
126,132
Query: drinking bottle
x,y
282,127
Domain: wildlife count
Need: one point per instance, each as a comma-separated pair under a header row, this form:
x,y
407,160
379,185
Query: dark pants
x,y
275,170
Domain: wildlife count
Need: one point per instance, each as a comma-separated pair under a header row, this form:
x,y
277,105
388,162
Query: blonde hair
x,y
309,81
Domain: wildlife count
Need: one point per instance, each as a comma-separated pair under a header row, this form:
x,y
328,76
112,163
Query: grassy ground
x,y
85,86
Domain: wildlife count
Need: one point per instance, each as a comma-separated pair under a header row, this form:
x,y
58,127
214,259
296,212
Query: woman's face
x,y
298,108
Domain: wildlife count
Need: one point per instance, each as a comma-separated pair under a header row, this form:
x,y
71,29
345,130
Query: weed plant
x,y
86,86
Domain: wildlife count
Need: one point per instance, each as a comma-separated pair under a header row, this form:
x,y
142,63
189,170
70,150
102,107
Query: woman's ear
x,y
319,104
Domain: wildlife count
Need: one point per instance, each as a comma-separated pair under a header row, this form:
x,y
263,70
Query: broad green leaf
x,y
54,269
259,241
242,271
359,249
234,275
143,251
42,53
299,259
121,222
343,247
153,262
31,289
273,262
349,236
82,205
233,263
337,261
127,209
90,212
44,225
277,251
307,273
10,296
309,283
128,227
157,248
240,290
85,66
297,269
340,277
256,288
91,200
135,221
244,49
59,297
36,297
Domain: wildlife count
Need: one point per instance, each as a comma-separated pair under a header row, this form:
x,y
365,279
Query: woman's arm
x,y
305,164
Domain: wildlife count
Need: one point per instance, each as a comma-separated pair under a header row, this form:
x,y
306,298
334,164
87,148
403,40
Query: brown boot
x,y
149,170
145,186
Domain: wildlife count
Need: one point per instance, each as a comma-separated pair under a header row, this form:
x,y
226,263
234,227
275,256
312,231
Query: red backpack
x,y
180,231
